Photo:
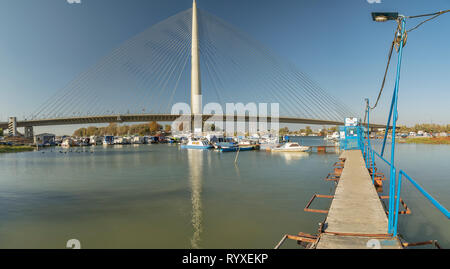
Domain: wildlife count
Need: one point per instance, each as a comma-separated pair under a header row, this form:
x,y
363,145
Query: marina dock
x,y
356,214
357,217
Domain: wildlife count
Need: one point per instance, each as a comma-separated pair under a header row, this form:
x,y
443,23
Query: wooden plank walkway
x,y
355,209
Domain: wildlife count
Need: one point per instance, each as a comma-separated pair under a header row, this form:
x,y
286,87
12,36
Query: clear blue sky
x,y
45,44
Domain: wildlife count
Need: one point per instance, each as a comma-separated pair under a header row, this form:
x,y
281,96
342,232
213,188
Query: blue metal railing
x,y
395,179
396,185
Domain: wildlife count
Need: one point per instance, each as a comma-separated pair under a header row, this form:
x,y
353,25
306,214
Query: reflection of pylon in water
x,y
195,159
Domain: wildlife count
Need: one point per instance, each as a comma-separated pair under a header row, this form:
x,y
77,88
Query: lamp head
x,y
384,16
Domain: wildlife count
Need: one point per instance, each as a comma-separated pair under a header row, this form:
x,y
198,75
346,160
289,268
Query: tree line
x,y
427,127
307,131
150,128
153,127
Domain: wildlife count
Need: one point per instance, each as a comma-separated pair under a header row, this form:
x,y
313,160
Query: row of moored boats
x,y
243,145
221,144
113,140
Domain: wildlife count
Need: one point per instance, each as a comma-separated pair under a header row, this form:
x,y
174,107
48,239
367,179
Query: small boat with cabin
x,y
291,147
196,144
108,140
67,143
233,147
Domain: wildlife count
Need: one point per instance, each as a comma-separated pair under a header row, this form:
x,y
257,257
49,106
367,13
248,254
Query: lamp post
x,y
400,40
382,17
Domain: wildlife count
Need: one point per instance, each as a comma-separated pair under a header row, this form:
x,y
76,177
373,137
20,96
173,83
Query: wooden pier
x,y
325,149
356,215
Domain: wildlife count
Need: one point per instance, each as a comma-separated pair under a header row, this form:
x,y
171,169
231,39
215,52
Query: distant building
x,y
44,139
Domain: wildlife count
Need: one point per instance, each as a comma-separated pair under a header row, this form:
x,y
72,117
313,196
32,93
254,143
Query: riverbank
x,y
429,140
11,149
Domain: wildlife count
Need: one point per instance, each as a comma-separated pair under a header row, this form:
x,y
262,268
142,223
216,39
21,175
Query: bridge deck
x,y
160,117
356,210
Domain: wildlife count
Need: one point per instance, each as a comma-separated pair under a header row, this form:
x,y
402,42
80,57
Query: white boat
x,y
196,144
95,140
291,147
118,140
67,143
333,137
127,140
137,140
247,142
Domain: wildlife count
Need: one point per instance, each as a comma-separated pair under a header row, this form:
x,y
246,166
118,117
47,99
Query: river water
x,y
159,196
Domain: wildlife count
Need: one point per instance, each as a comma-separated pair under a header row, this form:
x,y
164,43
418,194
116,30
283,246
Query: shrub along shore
x,y
429,140
10,149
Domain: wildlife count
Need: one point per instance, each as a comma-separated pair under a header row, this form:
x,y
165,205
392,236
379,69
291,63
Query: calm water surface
x,y
159,196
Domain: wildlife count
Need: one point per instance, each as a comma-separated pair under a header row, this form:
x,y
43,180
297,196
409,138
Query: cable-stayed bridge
x,y
190,54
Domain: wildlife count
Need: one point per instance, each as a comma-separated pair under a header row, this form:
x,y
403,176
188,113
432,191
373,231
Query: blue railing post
x,y
391,200
366,149
363,144
370,153
394,124
365,156
397,201
373,166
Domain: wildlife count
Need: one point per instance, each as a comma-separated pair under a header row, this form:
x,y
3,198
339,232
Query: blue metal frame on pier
x,y
394,113
395,179
366,148
352,137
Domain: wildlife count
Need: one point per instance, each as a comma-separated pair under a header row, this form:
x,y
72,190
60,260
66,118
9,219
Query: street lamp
x,y
400,39
393,113
384,16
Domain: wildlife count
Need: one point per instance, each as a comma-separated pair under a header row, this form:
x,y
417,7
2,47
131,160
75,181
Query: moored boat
x,y
291,147
226,146
233,147
248,147
118,140
108,140
137,140
95,140
67,143
196,144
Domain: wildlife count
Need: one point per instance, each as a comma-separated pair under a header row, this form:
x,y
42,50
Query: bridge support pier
x,y
29,132
12,126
